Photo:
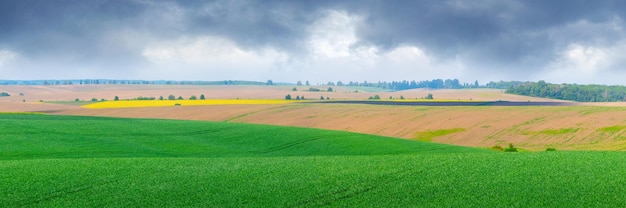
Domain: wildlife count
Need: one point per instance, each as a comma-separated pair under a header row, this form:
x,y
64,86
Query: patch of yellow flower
x,y
163,103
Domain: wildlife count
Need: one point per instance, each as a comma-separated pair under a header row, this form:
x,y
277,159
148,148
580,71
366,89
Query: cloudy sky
x,y
560,41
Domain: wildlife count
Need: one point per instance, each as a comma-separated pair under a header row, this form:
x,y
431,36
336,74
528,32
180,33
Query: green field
x,y
62,161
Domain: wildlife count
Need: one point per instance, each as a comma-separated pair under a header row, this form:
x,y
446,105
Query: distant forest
x,y
573,92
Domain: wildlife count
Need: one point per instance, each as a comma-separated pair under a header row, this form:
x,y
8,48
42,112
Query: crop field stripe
x,y
164,103
450,103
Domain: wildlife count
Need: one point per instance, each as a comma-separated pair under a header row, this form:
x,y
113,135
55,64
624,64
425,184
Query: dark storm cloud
x,y
513,38
516,32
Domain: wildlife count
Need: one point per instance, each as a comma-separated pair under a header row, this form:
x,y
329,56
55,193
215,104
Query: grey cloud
x,y
512,39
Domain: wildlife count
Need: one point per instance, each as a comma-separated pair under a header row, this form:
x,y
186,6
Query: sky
x,y
559,41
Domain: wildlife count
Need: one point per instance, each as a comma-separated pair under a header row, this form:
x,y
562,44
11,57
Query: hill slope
x,y
43,136
61,161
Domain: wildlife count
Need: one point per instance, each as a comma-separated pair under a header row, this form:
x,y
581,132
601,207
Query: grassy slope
x,y
86,161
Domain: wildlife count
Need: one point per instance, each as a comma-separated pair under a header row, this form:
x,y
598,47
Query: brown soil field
x,y
528,127
594,126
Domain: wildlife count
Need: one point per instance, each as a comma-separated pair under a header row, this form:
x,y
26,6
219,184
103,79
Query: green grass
x,y
62,161
427,136
612,129
552,131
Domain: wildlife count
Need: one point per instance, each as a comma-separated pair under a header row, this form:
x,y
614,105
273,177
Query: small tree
x,y
330,89
161,97
299,83
116,98
321,97
327,98
171,97
180,97
302,98
510,148
429,96
94,99
76,100
390,97
288,97
297,97
307,83
270,82
294,89
401,97
202,97
193,97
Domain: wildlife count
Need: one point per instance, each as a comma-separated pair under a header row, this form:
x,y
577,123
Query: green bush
x,y
550,149
510,148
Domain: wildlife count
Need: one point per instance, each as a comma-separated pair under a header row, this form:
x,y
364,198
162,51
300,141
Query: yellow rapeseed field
x,y
162,103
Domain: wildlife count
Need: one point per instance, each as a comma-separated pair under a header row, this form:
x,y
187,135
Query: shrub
x,y
510,148
429,96
288,97
550,149
376,97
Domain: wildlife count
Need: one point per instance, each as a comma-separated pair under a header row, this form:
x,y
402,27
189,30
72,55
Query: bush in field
x,y
321,97
115,99
171,97
550,149
288,97
193,97
202,97
145,98
180,98
510,148
4,94
429,96
375,97
94,99
76,100
161,97
330,89
294,89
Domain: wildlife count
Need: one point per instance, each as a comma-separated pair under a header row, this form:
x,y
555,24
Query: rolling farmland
x,y
68,161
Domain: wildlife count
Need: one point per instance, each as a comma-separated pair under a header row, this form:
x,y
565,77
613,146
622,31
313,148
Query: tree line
x,y
573,92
